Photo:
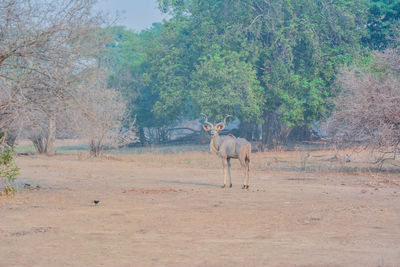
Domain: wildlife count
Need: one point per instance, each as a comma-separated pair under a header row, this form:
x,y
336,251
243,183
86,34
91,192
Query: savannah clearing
x,y
312,86
169,210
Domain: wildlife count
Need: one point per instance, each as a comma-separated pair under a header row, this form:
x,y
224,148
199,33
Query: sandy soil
x,y
157,210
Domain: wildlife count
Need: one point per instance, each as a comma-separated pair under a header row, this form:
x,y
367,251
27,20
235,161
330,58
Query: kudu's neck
x,y
215,143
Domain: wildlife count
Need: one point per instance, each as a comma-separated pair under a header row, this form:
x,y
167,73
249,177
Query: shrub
x,y
8,171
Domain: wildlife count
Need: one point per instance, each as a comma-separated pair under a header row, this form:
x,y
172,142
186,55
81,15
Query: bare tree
x,y
43,45
368,111
99,114
229,147
7,105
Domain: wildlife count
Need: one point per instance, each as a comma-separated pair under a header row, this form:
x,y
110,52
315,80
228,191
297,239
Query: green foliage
x,y
301,63
129,58
224,84
383,19
8,171
169,72
292,49
246,58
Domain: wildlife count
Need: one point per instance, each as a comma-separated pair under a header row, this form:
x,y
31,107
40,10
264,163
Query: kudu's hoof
x,y
223,186
245,186
230,185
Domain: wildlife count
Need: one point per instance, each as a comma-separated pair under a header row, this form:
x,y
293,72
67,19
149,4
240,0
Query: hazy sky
x,y
134,14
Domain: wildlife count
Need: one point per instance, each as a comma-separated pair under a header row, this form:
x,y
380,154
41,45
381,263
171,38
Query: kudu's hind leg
x,y
247,170
243,164
224,163
229,172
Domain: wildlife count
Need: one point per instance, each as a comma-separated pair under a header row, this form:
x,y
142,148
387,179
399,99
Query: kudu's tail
x,y
247,158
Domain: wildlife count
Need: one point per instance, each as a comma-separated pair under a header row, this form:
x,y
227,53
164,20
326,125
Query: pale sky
x,y
134,14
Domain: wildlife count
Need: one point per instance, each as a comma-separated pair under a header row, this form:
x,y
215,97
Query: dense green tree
x,y
383,19
223,84
253,59
295,46
129,60
169,72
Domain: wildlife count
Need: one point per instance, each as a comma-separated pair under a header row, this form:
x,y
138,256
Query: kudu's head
x,y
214,128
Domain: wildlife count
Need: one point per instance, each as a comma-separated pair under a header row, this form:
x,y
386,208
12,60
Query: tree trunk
x,y
11,138
268,130
40,143
284,134
301,133
51,139
246,130
142,137
96,148
156,136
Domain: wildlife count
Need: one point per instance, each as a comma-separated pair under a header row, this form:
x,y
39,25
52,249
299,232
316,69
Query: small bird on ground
x,y
96,202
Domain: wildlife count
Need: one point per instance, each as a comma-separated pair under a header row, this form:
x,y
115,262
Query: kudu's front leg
x,y
226,165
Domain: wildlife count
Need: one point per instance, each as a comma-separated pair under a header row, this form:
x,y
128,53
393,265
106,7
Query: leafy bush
x,y
8,171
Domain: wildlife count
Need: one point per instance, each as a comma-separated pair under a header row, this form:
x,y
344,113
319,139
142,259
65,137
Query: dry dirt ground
x,y
168,210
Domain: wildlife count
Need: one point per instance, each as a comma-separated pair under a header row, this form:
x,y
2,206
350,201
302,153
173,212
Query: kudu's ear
x,y
220,126
206,127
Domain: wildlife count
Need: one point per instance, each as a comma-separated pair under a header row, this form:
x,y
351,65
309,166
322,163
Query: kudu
x,y
228,147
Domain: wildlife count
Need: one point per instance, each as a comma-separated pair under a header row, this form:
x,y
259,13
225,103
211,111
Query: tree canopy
x,y
250,59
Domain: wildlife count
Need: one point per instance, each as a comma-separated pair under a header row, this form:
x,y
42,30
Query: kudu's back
x,y
235,148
